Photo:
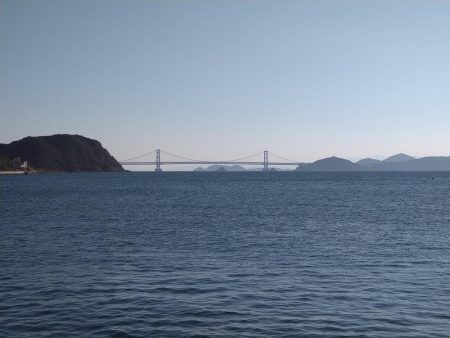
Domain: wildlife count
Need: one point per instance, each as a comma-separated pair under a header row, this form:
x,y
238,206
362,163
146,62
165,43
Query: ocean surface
x,y
250,254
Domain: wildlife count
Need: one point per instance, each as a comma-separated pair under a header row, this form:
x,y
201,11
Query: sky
x,y
214,79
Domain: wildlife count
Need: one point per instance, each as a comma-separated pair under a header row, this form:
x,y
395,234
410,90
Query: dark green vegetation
x,y
60,152
6,163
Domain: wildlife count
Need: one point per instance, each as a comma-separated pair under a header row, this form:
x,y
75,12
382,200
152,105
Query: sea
x,y
225,254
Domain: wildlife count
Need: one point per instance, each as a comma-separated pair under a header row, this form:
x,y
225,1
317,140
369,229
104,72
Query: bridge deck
x,y
208,162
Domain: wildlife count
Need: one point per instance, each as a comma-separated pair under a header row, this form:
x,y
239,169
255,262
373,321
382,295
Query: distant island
x,y
399,162
219,167
235,167
61,152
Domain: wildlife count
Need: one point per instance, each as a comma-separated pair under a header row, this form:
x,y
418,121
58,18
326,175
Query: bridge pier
x,y
266,161
158,160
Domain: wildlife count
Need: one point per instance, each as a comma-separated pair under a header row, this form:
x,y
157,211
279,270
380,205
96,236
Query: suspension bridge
x,y
180,160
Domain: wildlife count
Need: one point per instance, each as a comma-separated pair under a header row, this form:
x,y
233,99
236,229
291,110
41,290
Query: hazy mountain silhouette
x,y
220,167
61,152
392,163
431,163
368,162
398,158
331,164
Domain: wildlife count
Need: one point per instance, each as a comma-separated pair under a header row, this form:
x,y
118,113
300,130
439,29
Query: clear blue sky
x,y
223,79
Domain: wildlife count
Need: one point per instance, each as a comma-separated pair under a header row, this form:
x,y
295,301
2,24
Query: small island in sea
x,y
219,167
57,153
235,167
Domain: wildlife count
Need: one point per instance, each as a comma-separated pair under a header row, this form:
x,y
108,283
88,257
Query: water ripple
x,y
225,255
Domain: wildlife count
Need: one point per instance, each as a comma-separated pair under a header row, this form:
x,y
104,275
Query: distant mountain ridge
x,y
330,164
398,158
61,152
399,162
368,162
430,163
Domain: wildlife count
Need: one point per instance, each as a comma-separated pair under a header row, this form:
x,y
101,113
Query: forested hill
x,y
61,152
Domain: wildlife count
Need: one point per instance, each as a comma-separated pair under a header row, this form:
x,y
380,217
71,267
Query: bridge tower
x,y
266,161
158,160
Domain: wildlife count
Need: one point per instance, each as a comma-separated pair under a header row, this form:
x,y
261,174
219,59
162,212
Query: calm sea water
x,y
225,255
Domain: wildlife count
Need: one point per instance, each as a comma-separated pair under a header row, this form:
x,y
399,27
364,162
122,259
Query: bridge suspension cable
x,y
181,157
195,160
187,160
137,157
245,157
283,158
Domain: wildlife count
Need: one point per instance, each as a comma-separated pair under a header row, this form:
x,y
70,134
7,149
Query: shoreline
x,y
15,172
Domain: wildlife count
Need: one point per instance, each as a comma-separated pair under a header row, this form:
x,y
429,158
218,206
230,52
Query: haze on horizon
x,y
215,79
